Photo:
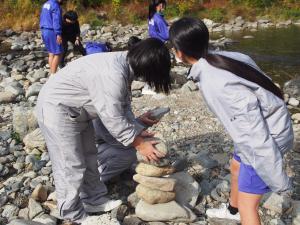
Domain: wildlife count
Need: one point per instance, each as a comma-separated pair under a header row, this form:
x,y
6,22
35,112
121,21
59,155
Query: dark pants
x,y
78,48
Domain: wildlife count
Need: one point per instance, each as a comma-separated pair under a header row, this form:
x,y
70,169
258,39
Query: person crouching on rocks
x,y
113,157
71,33
251,108
157,25
95,86
51,27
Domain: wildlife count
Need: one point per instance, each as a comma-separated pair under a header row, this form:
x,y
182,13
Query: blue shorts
x,y
49,39
249,181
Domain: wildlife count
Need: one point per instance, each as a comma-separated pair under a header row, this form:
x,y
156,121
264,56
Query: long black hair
x,y
191,36
150,60
153,5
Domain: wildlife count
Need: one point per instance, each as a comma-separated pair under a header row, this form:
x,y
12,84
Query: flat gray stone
x,y
163,184
153,196
170,211
153,171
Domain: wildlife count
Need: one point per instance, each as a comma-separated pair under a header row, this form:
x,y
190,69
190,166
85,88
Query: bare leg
x,y
50,60
235,170
55,62
248,208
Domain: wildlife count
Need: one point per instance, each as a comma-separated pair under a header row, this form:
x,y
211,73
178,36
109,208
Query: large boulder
x,y
170,211
153,171
153,196
24,121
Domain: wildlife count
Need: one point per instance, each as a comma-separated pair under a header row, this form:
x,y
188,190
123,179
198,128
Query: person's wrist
x,y
137,142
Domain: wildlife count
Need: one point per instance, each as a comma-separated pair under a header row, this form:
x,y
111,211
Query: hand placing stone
x,y
161,147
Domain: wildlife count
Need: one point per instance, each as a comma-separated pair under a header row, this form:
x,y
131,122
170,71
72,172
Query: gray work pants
x,y
72,150
113,157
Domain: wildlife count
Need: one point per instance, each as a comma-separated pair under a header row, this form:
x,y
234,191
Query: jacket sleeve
x,y
77,29
251,134
57,19
163,30
111,106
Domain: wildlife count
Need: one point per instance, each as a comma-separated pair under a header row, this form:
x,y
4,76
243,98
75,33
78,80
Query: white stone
x,y
293,102
104,219
296,116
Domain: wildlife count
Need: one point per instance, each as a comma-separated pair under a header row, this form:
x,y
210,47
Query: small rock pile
x,y
166,195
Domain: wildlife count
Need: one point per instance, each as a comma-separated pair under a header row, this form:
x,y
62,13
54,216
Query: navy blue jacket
x,y
51,17
158,27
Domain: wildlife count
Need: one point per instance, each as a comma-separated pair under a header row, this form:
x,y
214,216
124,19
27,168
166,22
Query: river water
x,y
276,51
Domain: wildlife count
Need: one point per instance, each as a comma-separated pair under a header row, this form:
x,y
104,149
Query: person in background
x,y
157,25
51,28
251,108
71,33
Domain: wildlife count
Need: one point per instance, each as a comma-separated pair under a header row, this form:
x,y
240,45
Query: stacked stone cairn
x,y
160,186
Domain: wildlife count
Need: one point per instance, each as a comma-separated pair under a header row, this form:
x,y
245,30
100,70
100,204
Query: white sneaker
x,y
105,207
222,213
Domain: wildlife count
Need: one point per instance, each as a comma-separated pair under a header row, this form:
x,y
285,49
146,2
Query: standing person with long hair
x,y
51,27
157,25
251,108
96,86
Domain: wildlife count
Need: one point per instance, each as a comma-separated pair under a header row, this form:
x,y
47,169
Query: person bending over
x,y
71,33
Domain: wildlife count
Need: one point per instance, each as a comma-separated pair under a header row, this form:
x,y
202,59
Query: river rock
x,y
24,222
24,120
10,211
104,219
46,219
137,85
133,220
292,88
153,196
170,211
162,184
3,199
277,203
133,199
293,102
206,161
39,193
153,171
158,112
33,140
216,221
189,86
187,189
24,214
7,97
296,116
16,89
33,90
34,208
35,76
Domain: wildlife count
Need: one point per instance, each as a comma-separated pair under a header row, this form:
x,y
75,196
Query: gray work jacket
x,y
95,86
257,120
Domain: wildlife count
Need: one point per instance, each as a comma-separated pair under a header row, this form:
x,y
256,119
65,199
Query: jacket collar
x,y
196,70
